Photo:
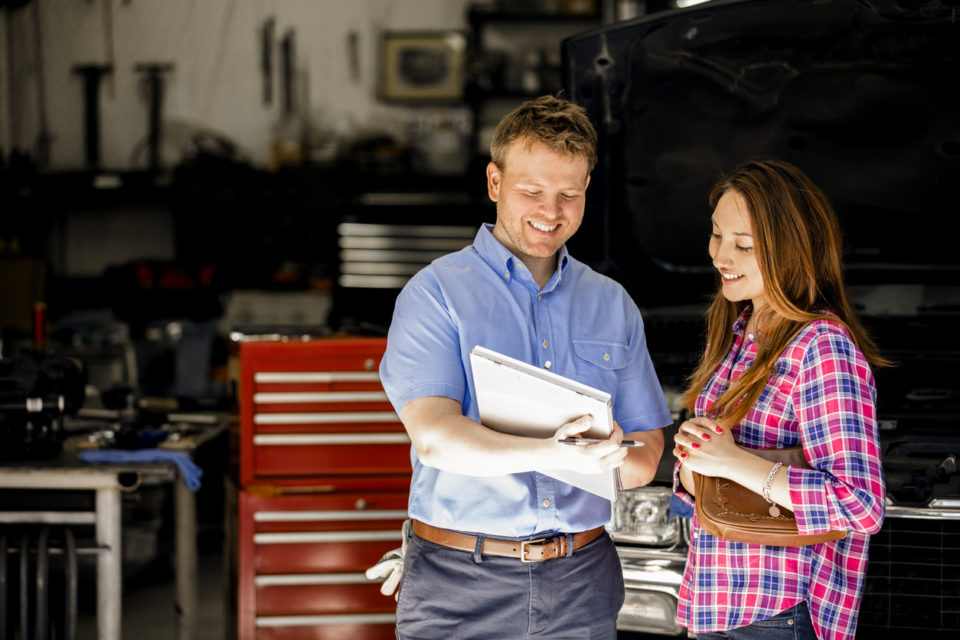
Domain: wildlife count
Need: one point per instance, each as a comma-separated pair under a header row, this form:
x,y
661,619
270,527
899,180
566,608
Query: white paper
x,y
520,399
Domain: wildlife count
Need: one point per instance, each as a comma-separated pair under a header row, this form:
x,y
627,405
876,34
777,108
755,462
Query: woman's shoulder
x,y
824,337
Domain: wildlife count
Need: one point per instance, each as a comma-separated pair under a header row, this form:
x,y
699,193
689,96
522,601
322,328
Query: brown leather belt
x,y
536,550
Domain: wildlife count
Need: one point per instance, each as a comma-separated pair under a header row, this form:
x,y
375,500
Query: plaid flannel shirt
x,y
821,396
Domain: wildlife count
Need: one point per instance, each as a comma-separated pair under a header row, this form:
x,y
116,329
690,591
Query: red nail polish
x,y
683,456
705,436
695,445
718,429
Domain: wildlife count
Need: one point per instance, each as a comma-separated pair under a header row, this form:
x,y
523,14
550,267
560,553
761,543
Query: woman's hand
x,y
704,446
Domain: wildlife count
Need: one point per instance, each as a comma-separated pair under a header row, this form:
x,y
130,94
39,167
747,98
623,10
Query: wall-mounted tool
x,y
91,74
288,55
153,85
266,58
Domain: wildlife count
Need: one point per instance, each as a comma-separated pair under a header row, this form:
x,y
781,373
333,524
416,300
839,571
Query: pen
x,y
584,441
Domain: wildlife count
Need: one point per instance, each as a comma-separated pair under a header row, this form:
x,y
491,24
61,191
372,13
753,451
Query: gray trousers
x,y
457,595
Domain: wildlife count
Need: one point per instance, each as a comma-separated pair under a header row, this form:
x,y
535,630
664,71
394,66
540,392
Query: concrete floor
x,y
149,607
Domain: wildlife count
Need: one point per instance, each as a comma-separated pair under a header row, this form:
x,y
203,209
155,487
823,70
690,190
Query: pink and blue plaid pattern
x,y
822,396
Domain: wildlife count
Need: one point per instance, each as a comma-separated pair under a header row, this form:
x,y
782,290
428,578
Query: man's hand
x,y
446,439
589,458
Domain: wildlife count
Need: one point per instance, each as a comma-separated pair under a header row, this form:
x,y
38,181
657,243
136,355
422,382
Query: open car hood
x,y
863,95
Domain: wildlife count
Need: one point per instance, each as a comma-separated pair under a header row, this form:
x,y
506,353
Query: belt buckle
x,y
523,549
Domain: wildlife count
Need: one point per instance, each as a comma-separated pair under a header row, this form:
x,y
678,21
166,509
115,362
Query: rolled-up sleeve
x,y
640,404
423,348
834,399
678,489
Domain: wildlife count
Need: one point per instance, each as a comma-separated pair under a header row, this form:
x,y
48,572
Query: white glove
x,y
390,566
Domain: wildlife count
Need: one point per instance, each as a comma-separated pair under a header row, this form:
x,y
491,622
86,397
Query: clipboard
x,y
519,399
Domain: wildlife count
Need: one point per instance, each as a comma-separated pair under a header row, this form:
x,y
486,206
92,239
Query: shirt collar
x,y
740,324
504,262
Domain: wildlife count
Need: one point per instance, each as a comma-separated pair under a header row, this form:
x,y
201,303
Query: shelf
x,y
480,14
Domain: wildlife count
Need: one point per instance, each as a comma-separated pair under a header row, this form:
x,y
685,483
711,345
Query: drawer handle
x,y
277,439
326,516
316,376
288,397
307,621
301,579
299,537
325,418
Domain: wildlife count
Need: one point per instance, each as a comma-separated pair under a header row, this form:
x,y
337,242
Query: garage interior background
x,y
173,171
184,160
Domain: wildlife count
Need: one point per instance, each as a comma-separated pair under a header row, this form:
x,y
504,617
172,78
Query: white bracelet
x,y
774,510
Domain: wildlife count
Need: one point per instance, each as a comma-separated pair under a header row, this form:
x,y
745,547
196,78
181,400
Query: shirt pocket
x,y
599,362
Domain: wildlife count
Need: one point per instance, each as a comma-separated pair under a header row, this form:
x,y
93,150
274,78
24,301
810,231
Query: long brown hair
x,y
799,253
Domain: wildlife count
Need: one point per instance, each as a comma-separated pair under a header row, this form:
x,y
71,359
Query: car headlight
x,y
642,516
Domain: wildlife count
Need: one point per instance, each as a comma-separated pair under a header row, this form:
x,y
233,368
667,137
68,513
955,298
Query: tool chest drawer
x,y
315,408
304,558
322,481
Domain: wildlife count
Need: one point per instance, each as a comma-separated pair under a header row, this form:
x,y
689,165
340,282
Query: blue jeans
x,y
455,595
792,624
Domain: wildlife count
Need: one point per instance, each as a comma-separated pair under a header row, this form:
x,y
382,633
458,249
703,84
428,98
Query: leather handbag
x,y
733,512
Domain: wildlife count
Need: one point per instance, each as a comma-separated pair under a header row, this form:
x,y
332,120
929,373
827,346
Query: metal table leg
x,y
109,564
186,541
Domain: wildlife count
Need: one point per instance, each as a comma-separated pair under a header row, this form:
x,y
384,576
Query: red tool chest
x,y
323,475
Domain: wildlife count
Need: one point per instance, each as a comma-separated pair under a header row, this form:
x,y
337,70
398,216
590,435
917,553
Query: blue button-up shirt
x,y
581,325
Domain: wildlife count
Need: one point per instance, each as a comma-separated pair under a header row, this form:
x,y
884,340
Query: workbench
x,y
108,482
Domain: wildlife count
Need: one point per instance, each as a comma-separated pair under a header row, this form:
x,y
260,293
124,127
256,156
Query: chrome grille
x,y
913,580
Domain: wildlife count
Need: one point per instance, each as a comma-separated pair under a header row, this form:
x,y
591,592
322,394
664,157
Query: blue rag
x,y
191,472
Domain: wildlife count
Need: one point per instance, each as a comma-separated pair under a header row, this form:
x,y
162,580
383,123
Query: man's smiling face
x,y
540,196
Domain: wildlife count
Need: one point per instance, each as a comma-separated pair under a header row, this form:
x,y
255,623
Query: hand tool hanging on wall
x,y
91,74
289,57
44,139
153,84
266,59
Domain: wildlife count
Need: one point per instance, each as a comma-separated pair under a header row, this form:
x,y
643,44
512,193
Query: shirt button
x,y
506,274
606,357
546,345
546,365
539,296
546,503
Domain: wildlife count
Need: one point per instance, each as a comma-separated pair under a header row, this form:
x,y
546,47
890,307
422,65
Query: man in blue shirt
x,y
477,493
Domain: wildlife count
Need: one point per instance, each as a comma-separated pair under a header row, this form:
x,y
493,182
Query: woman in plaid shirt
x,y
786,364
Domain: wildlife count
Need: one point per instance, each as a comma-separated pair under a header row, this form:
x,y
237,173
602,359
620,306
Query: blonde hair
x,y
799,252
551,121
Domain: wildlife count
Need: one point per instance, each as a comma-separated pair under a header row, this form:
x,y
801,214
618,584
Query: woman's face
x,y
732,251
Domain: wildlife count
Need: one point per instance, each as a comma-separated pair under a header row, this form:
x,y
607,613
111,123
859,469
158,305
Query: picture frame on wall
x,y
423,66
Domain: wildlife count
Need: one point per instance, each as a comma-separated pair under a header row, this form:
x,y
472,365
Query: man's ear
x,y
494,179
